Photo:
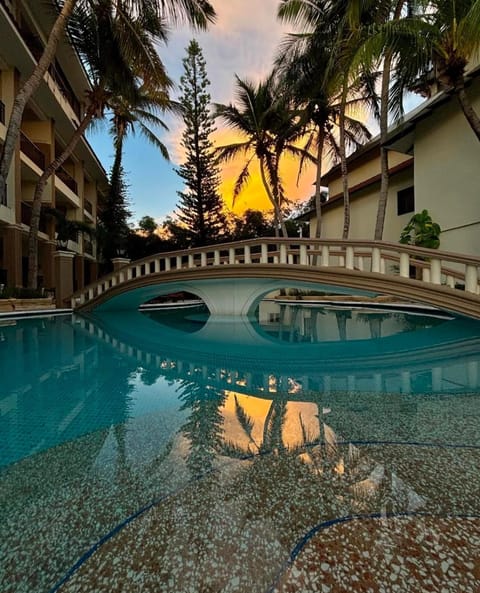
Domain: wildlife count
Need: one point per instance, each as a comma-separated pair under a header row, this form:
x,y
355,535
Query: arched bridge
x,y
232,277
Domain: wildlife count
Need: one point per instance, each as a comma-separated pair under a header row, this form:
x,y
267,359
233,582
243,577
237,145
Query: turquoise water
x,y
100,416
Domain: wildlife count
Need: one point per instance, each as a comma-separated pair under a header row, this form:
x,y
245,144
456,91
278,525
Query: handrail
x,y
455,271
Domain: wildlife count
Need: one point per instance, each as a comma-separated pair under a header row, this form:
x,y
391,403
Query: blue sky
x,y
243,42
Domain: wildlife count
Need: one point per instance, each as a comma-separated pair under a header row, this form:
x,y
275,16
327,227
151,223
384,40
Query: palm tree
x,y
116,54
446,37
308,65
265,118
66,229
195,12
127,115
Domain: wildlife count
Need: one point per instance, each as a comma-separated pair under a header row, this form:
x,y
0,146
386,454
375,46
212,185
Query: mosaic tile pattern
x,y
394,555
234,529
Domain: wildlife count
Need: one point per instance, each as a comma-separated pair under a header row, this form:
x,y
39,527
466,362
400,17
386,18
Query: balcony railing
x,y
67,179
32,151
35,45
2,112
88,207
88,246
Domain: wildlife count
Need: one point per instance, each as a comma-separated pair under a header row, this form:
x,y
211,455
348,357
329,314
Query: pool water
x,y
308,449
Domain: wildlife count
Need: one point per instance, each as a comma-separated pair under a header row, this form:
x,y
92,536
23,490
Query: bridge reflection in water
x,y
302,351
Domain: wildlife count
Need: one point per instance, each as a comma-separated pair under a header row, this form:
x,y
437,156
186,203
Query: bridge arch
x,y
231,278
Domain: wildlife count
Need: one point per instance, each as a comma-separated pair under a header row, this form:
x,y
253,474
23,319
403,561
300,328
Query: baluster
x,y
405,265
264,256
168,265
157,266
191,263
129,273
231,255
178,260
425,274
376,260
450,281
90,294
325,256
435,271
349,258
360,263
138,271
203,259
283,253
471,279
303,255
247,255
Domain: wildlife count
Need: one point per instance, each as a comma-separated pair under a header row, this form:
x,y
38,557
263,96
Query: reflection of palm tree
x,y
204,427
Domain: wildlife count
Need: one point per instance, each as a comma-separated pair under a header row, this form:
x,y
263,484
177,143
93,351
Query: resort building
x,y
49,121
434,161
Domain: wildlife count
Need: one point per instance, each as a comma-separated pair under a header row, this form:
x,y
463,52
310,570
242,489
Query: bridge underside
x,y
235,290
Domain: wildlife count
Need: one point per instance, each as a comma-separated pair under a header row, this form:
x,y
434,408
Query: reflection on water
x,y
246,433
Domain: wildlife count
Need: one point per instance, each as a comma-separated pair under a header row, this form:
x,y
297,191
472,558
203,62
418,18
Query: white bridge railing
x,y
458,272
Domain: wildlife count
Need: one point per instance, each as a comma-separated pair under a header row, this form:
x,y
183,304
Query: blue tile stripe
x,y
303,541
299,546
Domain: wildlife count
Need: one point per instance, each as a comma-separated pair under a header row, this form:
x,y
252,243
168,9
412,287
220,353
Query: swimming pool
x,y
309,449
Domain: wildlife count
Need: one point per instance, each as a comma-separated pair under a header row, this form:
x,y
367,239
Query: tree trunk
x,y
27,90
343,162
384,173
384,109
276,207
37,198
318,181
468,111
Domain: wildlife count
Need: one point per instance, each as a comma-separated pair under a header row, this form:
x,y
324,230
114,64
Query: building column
x,y
119,262
13,255
48,250
63,278
79,272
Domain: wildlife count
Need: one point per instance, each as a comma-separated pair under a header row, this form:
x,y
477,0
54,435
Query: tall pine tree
x,y
201,220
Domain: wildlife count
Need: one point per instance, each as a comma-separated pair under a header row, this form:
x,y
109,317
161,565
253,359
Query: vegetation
x,y
421,231
307,109
200,212
113,215
271,127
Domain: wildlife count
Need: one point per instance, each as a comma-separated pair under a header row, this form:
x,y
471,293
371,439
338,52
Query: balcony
x,y
67,179
88,207
88,246
36,47
26,217
32,151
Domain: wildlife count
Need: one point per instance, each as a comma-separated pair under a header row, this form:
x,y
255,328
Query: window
x,y
406,200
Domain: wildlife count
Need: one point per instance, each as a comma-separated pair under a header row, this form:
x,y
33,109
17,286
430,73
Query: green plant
x,y
421,231
13,292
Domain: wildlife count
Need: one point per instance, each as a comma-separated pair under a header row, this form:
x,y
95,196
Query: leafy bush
x,y
11,292
421,231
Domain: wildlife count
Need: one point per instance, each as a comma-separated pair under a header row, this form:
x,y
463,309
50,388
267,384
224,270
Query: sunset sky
x,y
243,41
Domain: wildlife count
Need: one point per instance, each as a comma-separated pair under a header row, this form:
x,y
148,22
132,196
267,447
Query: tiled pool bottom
x,y
334,517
